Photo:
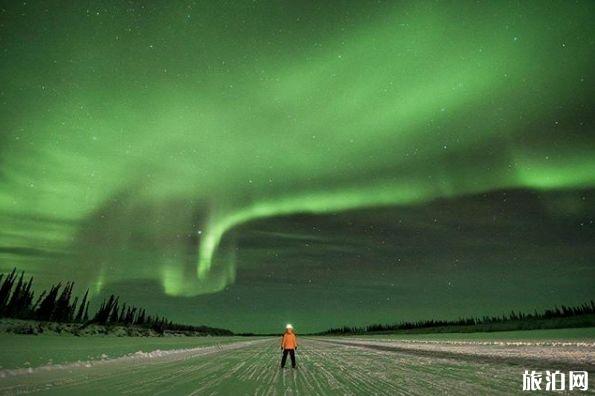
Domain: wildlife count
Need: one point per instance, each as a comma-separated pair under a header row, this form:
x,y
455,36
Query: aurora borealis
x,y
243,164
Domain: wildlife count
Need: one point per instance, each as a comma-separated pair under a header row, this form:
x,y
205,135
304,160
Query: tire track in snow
x,y
114,370
565,356
252,368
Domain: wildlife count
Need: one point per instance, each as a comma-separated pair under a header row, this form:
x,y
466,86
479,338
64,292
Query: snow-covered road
x,y
251,367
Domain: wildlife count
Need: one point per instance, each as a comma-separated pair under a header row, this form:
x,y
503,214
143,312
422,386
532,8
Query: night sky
x,y
244,164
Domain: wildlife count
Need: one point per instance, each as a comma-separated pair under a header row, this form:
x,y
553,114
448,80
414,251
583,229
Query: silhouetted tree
x,y
62,307
81,312
47,305
103,313
114,316
5,290
57,304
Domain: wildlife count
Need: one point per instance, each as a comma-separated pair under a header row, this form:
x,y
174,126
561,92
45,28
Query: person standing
x,y
288,345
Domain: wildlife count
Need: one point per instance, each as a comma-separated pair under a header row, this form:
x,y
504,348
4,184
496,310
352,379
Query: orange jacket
x,y
289,340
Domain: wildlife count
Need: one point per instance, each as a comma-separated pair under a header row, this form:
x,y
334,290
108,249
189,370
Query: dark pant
x,y
284,359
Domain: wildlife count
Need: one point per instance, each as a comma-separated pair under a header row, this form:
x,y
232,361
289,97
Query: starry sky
x,y
250,163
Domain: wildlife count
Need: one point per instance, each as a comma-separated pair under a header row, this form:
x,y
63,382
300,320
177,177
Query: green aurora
x,y
188,154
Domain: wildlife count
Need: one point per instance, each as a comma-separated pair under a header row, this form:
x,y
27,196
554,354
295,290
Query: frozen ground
x,y
586,334
24,351
334,366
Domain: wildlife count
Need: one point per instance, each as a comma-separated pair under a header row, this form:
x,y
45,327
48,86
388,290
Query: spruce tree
x,y
86,315
114,314
123,314
48,304
81,311
5,290
12,307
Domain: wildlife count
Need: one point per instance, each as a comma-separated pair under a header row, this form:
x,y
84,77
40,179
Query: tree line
x,y
487,322
18,300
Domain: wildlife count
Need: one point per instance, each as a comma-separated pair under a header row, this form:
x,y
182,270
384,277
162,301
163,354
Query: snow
x,y
340,365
